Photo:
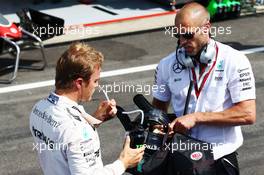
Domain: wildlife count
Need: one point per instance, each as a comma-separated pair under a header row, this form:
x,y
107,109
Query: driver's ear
x,y
78,83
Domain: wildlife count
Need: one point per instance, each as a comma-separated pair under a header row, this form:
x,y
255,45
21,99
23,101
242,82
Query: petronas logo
x,y
220,65
85,134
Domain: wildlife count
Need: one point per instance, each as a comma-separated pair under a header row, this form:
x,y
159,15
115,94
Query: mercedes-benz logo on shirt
x,y
177,68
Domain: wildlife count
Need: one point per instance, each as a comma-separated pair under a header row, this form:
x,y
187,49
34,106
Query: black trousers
x,y
227,165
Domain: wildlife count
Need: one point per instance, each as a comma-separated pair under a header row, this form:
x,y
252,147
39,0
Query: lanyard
x,y
202,78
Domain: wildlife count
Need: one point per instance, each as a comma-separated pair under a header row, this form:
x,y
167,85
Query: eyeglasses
x,y
186,36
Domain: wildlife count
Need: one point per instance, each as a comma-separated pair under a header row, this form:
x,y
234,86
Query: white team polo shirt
x,y
66,143
227,80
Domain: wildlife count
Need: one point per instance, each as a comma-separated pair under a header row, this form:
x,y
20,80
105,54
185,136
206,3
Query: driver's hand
x,y
131,157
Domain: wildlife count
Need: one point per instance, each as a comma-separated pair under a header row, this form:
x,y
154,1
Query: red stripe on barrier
x,y
130,18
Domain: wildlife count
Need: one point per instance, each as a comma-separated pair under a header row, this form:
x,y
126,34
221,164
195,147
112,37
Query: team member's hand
x,y
131,157
106,110
158,129
183,124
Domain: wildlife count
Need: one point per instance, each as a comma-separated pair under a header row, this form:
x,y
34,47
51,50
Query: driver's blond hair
x,y
79,60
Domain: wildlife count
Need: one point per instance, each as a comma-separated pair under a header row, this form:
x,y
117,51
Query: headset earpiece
x,y
184,59
206,56
208,53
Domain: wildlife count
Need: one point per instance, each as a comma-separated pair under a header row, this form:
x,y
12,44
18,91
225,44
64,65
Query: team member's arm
x,y
161,93
241,113
82,160
242,90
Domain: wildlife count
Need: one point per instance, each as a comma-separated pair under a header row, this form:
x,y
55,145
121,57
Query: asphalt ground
x,y
16,143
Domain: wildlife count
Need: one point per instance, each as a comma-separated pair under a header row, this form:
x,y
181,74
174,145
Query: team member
x,y
223,97
64,133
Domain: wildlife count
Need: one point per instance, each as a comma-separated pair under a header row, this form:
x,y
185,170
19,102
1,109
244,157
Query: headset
x,y
184,61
